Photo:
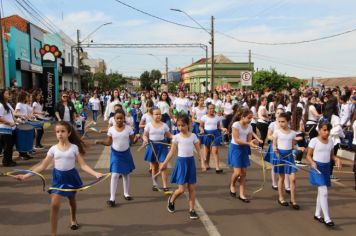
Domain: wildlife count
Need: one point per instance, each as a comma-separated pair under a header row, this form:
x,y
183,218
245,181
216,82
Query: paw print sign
x,y
50,53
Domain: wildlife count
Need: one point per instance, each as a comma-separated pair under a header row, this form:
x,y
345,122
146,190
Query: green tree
x,y
273,80
146,80
173,86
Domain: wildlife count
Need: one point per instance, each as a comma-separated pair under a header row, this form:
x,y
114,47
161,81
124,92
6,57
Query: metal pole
x,y
206,71
2,58
212,53
72,62
78,52
166,69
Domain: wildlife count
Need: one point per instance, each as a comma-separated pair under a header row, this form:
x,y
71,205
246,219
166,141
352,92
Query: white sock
x,y
113,185
274,178
323,193
318,207
286,182
126,184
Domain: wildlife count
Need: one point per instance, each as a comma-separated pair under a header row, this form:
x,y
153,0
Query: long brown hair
x,y
73,136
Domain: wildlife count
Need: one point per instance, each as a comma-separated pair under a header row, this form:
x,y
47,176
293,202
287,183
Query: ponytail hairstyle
x,y
120,111
323,123
73,136
183,118
285,116
241,113
150,104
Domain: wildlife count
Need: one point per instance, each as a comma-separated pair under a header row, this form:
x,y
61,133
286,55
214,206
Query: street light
x,y
102,25
211,33
78,49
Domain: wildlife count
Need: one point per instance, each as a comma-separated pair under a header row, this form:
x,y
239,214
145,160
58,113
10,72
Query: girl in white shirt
x,y
64,155
164,105
210,129
156,151
311,117
239,151
181,104
21,110
283,145
262,119
147,117
320,153
197,113
121,161
216,101
95,107
114,99
184,172
7,128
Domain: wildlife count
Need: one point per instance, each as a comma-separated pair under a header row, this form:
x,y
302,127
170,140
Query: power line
x,y
157,17
36,18
240,40
42,16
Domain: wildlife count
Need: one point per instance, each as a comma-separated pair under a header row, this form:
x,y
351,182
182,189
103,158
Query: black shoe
x,y
75,227
283,203
39,147
193,215
287,191
26,157
111,203
275,188
245,200
165,189
219,171
232,194
319,219
170,205
128,198
9,164
154,188
294,205
330,224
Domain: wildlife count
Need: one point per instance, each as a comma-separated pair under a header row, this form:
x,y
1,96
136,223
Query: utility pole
x,y
212,53
249,60
166,69
78,53
2,57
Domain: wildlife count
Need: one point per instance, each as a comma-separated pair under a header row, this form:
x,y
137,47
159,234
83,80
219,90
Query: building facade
x,y
227,74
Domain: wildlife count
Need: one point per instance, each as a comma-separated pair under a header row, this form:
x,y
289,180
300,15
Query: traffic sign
x,y
246,78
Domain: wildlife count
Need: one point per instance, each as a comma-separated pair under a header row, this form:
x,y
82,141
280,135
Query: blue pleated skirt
x,y
238,156
69,179
184,171
161,151
212,138
285,157
196,131
322,179
121,162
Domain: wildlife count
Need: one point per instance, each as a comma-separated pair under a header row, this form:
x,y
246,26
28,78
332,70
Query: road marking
x,y
104,159
204,218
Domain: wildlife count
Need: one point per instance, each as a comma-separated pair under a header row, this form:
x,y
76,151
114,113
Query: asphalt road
x,y
24,207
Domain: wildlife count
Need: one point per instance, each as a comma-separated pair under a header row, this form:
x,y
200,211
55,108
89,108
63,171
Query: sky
x,y
271,21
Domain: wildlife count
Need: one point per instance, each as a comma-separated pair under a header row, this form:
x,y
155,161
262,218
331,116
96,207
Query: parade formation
x,y
223,149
